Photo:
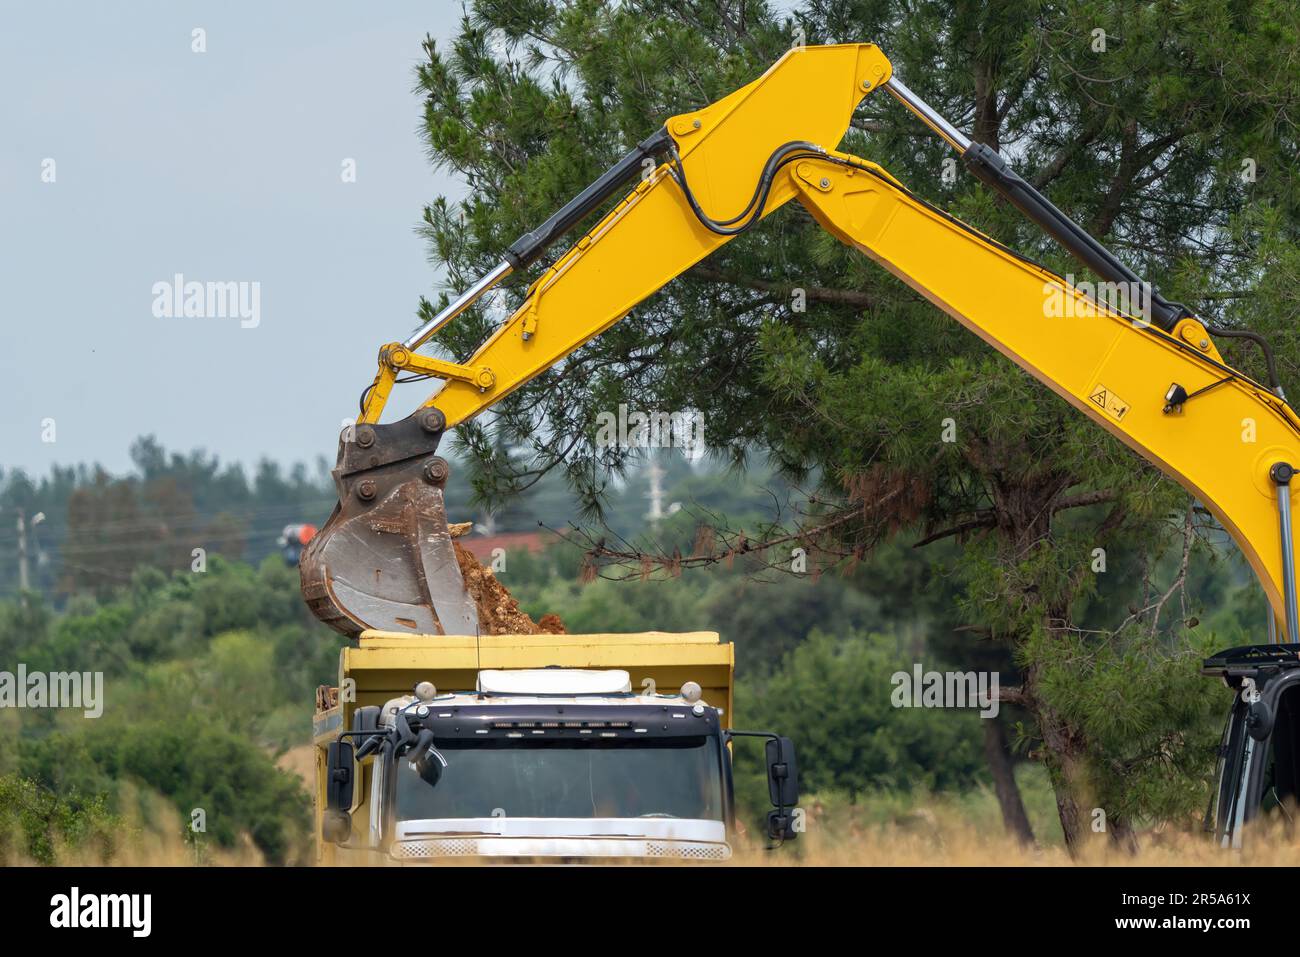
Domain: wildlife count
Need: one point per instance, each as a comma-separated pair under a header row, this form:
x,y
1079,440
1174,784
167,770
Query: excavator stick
x,y
384,559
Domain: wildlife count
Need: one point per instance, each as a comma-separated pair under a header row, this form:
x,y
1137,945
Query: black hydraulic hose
x,y
1273,382
753,211
679,177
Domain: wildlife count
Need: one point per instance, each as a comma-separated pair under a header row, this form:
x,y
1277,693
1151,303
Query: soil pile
x,y
498,612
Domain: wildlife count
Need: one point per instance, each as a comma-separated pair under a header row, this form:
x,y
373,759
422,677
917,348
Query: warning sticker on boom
x,y
1106,400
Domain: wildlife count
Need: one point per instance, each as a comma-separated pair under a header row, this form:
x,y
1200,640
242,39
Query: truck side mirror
x,y
782,788
1260,720
336,821
426,760
782,773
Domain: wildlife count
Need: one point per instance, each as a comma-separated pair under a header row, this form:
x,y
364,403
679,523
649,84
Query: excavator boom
x,y
1150,374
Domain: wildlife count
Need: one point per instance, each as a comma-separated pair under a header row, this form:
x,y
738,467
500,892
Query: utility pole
x,y
656,493
24,576
657,474
23,583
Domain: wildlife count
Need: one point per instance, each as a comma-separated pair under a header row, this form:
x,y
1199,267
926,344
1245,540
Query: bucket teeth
x,y
384,559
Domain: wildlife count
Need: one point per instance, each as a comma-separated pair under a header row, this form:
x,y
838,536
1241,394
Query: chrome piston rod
x,y
1281,474
466,299
929,116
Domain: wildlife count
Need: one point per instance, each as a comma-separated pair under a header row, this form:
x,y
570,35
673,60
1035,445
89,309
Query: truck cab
x,y
536,748
1258,773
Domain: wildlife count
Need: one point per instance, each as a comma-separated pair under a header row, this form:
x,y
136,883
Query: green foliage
x,y
1153,721
207,676
100,532
1142,142
925,814
765,616
832,696
39,825
194,761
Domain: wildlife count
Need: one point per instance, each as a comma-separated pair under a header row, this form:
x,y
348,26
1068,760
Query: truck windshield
x,y
677,778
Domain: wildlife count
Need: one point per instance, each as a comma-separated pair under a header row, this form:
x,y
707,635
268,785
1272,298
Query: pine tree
x,y
1167,129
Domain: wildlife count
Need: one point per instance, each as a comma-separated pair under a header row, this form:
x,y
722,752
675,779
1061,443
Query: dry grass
x,y
946,843
300,762
909,830
882,848
946,840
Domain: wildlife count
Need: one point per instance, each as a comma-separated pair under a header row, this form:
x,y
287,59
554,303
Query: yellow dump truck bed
x,y
384,665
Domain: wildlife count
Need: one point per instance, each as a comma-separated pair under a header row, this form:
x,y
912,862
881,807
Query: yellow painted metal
x,y
399,357
1194,333
377,395
1116,371
395,357
387,664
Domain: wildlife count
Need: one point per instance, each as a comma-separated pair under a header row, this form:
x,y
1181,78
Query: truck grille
x,y
492,847
693,852
458,847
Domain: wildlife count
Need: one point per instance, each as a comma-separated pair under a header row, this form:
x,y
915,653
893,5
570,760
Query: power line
x,y
149,520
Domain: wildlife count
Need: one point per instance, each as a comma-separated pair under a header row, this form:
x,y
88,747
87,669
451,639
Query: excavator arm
x,y
1150,374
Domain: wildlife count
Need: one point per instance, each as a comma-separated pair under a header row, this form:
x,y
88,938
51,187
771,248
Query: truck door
x,y
1226,813
1260,779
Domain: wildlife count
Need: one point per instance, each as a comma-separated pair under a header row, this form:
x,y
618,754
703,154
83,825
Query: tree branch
x,y
1014,696
1084,500
1067,152
985,521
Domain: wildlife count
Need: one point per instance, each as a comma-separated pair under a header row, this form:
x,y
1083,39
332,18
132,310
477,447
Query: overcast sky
x,y
221,166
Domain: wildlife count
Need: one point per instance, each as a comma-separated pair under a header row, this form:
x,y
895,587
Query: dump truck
x,y
536,748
